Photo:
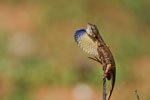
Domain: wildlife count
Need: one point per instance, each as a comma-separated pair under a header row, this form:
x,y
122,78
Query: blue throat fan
x,y
85,42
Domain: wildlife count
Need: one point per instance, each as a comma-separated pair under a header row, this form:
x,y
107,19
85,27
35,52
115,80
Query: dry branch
x,y
138,98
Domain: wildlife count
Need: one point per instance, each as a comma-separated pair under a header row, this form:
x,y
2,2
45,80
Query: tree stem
x,y
104,85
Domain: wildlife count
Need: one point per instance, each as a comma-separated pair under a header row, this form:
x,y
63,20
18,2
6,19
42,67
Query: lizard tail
x,y
113,78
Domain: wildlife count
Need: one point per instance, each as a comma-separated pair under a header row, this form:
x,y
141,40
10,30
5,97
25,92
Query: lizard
x,y
91,41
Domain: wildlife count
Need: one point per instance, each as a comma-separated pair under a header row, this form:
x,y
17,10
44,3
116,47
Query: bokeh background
x,y
39,59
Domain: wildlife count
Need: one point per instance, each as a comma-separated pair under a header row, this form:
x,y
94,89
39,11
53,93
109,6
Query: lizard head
x,y
92,31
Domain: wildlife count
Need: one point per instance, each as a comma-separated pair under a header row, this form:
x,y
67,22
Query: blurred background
x,y
39,59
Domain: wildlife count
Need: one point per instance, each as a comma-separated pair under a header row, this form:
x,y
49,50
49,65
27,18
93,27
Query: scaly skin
x,y
105,55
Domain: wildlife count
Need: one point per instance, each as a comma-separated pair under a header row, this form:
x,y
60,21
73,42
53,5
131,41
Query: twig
x,y
104,85
138,98
104,79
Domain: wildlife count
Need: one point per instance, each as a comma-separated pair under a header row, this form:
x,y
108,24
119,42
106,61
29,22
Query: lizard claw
x,y
104,76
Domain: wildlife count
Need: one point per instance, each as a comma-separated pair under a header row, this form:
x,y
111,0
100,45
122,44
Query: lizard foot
x,y
105,75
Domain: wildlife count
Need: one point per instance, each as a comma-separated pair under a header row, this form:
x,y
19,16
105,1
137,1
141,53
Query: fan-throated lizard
x,y
91,42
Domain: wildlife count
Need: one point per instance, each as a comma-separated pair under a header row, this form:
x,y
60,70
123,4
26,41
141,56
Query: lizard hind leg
x,y
107,72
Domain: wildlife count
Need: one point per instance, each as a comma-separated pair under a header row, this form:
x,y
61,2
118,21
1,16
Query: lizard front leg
x,y
96,59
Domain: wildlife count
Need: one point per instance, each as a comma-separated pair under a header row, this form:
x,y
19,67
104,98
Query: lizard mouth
x,y
89,29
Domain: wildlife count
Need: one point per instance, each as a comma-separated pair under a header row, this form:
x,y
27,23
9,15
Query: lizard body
x,y
106,56
91,42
